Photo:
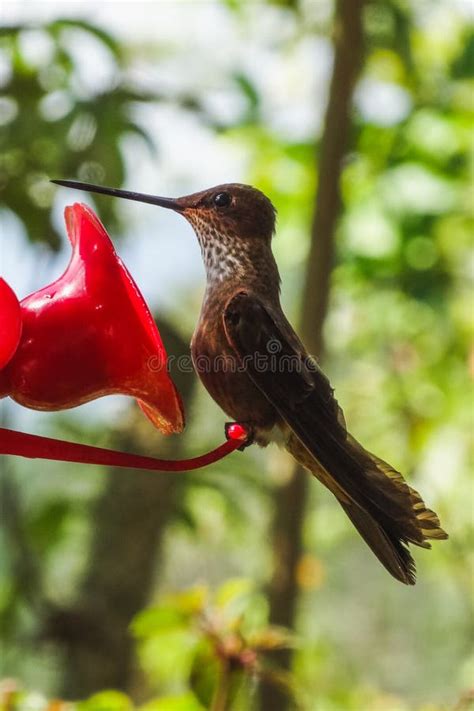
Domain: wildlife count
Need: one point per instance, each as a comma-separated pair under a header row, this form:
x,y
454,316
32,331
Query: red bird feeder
x,y
86,335
10,323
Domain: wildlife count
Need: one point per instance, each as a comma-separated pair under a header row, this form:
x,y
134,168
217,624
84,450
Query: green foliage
x,y
199,641
55,124
183,702
198,651
13,698
106,701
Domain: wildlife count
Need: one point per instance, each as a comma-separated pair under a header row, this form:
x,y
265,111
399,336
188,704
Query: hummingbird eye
x,y
222,200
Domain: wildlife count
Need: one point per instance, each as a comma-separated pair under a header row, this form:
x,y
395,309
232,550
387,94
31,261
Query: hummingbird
x,y
256,368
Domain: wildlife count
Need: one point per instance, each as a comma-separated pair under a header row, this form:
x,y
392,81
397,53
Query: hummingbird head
x,y
235,211
234,224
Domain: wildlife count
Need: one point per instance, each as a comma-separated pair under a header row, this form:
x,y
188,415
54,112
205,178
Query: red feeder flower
x,y
88,334
10,323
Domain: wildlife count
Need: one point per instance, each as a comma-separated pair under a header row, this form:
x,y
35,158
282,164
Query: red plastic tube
x,y
22,444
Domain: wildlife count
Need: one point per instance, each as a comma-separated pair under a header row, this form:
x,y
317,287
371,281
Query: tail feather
x,y
386,511
418,523
390,550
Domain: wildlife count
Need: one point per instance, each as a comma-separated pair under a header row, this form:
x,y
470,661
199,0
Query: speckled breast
x,y
224,376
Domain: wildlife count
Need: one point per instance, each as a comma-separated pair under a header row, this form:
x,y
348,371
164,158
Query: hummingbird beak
x,y
169,203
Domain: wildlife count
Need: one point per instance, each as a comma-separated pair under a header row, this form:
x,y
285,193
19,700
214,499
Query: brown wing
x,y
376,497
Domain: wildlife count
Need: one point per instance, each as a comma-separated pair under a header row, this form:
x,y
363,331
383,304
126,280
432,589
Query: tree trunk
x,y
290,499
129,520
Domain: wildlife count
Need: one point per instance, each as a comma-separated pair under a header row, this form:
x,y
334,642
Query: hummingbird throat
x,y
224,255
232,260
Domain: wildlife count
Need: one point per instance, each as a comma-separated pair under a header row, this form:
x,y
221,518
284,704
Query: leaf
x,y
156,620
204,673
168,657
232,591
106,701
191,601
76,24
270,638
249,90
183,702
463,65
10,30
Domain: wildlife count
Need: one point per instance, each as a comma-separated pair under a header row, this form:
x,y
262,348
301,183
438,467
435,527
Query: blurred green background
x,y
157,590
